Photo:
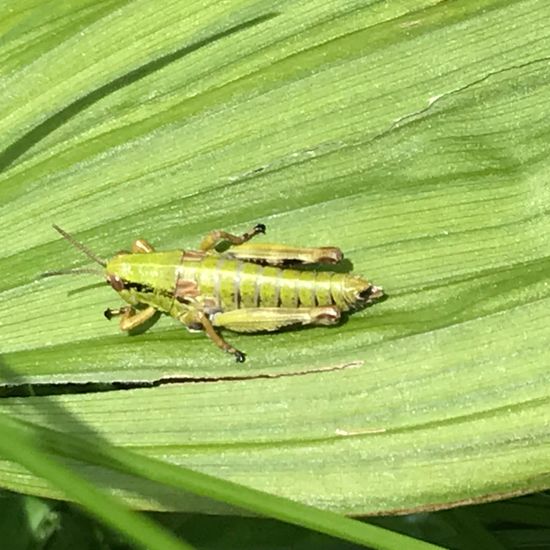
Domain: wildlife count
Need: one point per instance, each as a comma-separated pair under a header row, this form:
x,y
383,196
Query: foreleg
x,y
129,317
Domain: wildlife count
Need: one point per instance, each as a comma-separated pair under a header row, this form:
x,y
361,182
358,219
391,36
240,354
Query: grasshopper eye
x,y
116,282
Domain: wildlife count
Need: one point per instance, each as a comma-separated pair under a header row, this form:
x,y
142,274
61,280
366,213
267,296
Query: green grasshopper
x,y
250,287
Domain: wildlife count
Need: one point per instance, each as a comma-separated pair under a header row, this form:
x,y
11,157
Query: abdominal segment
x,y
234,284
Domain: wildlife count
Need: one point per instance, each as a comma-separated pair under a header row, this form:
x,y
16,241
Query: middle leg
x,y
219,341
194,318
141,246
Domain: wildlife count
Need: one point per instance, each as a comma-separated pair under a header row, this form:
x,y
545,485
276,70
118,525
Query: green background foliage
x,y
413,135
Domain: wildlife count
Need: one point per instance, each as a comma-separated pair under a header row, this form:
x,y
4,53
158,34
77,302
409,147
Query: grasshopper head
x,y
115,274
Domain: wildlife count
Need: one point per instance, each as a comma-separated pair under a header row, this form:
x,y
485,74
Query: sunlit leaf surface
x,y
414,135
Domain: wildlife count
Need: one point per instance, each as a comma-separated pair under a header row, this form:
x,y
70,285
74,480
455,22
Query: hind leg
x,y
275,318
212,239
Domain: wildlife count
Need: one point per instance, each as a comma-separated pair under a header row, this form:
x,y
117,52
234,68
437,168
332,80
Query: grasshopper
x,y
251,287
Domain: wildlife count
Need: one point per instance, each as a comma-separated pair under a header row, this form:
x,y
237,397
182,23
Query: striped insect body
x,y
250,287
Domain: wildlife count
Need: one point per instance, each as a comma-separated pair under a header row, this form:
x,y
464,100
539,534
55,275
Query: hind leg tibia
x,y
212,239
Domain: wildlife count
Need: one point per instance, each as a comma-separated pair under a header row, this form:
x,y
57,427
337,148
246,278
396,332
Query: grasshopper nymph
x,y
250,287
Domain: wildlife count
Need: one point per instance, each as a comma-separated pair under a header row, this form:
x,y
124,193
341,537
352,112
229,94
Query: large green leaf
x,y
414,135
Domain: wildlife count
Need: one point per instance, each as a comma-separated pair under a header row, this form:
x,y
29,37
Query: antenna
x,y
73,271
84,249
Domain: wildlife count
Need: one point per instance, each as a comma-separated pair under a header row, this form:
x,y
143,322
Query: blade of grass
x,y
201,484
21,446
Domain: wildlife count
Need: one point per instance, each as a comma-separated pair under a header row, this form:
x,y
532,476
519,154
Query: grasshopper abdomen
x,y
235,284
